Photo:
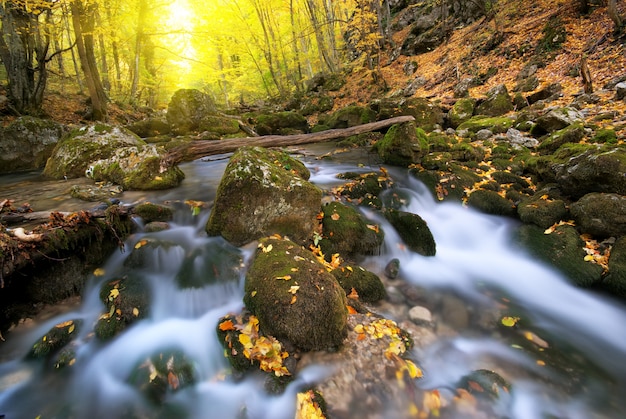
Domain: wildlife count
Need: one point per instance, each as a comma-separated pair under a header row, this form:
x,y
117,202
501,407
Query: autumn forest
x,y
139,51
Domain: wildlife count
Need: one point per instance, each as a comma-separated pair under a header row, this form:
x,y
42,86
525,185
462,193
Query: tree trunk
x,y
139,35
615,17
83,29
197,149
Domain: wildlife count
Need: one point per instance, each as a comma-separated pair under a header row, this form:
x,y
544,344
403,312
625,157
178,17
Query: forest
x,y
139,52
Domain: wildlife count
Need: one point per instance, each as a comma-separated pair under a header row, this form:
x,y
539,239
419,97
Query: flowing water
x,y
565,359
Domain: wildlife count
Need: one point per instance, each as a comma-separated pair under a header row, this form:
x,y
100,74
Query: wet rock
x,y
601,214
461,111
615,281
346,232
490,202
392,269
485,384
454,312
294,297
403,145
150,212
127,300
27,143
450,184
187,108
367,284
420,315
563,249
413,230
216,262
498,102
95,193
55,339
156,226
542,212
264,192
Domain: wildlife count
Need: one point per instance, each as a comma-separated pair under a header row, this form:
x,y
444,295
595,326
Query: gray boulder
x,y
557,119
187,108
620,91
261,193
601,214
498,102
27,143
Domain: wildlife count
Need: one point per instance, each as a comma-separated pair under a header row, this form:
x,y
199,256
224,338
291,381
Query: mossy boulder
x,y
347,232
497,125
563,249
465,151
413,230
150,127
281,123
447,182
76,151
163,374
187,108
461,111
490,202
484,384
136,168
605,136
580,169
615,281
294,296
127,300
365,188
557,119
350,116
570,134
542,212
498,102
56,338
402,145
367,284
150,212
27,143
601,214
427,114
264,192
220,125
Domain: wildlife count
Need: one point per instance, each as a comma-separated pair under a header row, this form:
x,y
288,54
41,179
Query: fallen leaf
x,y
99,272
335,216
226,325
293,299
293,289
141,243
172,380
351,310
135,311
509,321
284,277
114,294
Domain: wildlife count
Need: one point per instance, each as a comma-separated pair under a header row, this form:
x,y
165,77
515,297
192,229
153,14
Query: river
x,y
564,357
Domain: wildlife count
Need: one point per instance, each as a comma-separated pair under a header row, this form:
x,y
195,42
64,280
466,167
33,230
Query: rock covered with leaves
x,y
294,296
264,192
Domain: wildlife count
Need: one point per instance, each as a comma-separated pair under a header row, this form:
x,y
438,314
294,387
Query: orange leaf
x,y
351,310
172,380
335,216
293,299
353,294
226,325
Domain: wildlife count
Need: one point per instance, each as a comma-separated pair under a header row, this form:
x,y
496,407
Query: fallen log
x,y
197,149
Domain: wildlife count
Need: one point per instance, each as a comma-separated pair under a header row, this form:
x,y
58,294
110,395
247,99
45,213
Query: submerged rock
x,y
413,230
264,192
367,284
295,297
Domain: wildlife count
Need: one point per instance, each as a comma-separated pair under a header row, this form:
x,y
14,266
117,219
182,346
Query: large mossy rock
x,y
570,134
27,143
580,169
615,281
347,232
366,284
557,119
187,108
76,151
350,116
219,125
542,212
413,230
563,249
461,111
490,202
427,114
402,145
281,123
496,125
294,296
150,127
601,214
498,102
264,192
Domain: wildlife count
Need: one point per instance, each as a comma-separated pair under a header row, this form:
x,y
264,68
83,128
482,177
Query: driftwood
x,y
197,149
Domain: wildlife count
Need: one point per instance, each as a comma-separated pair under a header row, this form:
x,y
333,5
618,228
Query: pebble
x,y
420,315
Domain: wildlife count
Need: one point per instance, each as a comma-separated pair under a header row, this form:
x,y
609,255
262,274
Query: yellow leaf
x,y
99,272
588,258
253,293
245,340
293,299
284,277
141,243
64,324
414,371
293,289
71,329
267,249
294,269
335,216
541,363
509,321
135,311
373,227
349,268
114,294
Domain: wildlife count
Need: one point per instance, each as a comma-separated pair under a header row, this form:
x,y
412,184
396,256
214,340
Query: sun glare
x,y
179,15
180,24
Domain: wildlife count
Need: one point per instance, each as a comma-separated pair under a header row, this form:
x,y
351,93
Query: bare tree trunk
x,y
83,28
586,75
66,22
103,55
201,148
615,17
141,17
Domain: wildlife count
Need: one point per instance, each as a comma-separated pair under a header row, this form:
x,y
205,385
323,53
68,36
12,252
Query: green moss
x,y
413,230
367,284
153,212
491,202
350,116
402,145
605,136
306,308
461,111
56,338
496,125
571,134
347,232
